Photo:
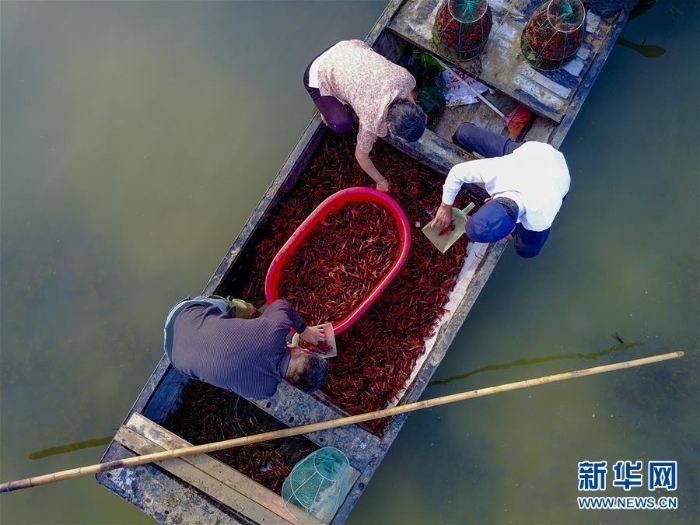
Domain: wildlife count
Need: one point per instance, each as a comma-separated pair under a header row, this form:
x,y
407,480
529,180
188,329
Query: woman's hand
x,y
443,217
313,335
384,185
368,167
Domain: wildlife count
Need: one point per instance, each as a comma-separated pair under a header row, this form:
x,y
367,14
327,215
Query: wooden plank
x,y
207,474
197,479
162,496
432,151
542,130
214,467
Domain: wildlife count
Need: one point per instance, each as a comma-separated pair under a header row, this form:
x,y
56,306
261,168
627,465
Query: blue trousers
x,y
489,145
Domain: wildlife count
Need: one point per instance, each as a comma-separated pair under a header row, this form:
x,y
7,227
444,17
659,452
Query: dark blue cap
x,y
490,224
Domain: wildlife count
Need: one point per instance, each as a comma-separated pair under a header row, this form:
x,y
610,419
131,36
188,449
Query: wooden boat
x,y
201,489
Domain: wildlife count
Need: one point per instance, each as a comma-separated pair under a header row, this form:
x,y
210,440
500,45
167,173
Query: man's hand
x,y
313,335
443,217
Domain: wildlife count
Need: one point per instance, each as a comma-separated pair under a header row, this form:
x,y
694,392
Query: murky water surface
x,y
137,137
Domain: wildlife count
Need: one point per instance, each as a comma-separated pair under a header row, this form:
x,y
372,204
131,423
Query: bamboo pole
x,y
471,88
324,425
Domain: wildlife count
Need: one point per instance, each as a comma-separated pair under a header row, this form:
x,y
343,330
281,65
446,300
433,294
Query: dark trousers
x,y
489,144
484,142
338,116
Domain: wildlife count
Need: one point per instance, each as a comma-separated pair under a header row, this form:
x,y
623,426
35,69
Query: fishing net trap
x,y
553,34
462,28
317,485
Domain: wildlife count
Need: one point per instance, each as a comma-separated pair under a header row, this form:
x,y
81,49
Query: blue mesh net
x,y
317,485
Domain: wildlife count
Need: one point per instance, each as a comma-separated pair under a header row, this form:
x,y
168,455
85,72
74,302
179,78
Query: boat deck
x,y
556,96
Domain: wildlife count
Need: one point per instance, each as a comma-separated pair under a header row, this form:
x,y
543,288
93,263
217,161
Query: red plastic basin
x,y
334,202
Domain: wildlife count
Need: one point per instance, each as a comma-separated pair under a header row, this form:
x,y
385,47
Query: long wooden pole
x,y
323,425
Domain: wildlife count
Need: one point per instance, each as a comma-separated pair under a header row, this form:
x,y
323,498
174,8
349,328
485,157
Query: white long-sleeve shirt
x,y
535,176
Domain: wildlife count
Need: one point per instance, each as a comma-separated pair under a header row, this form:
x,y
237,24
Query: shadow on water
x,y
641,7
71,447
647,51
537,360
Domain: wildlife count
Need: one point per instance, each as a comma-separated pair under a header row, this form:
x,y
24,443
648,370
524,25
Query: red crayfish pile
x,y
377,354
340,262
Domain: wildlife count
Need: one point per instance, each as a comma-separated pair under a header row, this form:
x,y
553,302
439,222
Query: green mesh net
x,y
467,11
553,34
462,28
317,485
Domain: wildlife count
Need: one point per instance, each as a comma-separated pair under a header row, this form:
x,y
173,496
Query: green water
x,y
137,137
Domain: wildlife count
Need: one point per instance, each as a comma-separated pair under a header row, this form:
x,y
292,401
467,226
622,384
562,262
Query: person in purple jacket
x,y
231,345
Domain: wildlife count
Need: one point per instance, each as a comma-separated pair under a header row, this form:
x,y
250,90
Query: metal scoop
x,y
443,238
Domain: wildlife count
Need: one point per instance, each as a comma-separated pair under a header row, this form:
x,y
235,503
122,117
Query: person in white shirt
x,y
527,183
